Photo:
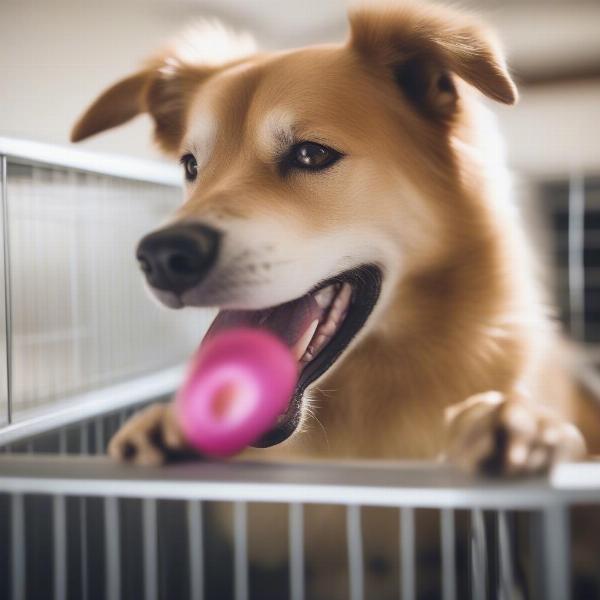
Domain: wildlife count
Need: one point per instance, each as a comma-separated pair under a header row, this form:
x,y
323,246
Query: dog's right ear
x,y
164,86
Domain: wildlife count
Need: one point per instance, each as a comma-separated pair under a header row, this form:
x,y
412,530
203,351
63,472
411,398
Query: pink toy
x,y
240,381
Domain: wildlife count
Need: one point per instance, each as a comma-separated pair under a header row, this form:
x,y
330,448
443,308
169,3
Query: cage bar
x,y
150,541
60,547
84,440
196,548
240,529
506,584
479,560
99,435
112,552
17,544
83,541
576,244
62,440
296,541
354,542
407,553
556,544
7,300
448,547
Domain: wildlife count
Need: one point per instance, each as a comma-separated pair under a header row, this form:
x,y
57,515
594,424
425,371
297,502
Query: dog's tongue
x,y
294,323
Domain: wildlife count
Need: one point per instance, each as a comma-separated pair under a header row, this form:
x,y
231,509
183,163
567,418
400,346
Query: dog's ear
x,y
425,47
164,86
164,97
117,105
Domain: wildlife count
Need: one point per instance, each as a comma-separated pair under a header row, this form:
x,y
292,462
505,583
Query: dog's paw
x,y
148,438
508,435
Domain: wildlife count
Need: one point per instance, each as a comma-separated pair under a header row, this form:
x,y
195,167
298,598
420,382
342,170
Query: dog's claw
x,y
500,435
148,438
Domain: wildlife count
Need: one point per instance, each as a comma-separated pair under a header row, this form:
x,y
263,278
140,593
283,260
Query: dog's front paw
x,y
508,435
148,438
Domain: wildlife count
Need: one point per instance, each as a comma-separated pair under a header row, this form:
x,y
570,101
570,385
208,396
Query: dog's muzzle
x,y
177,258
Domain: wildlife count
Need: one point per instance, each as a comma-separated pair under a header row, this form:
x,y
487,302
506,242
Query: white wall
x,y
555,130
56,55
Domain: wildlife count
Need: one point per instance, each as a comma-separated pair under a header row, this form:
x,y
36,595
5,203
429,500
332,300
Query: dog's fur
x,y
460,357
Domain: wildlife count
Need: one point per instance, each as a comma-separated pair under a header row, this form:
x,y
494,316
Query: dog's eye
x,y
312,156
190,166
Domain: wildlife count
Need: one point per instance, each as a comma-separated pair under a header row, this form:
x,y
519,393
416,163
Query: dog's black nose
x,y
178,257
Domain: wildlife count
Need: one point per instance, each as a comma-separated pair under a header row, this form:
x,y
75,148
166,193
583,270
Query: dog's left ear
x,y
425,46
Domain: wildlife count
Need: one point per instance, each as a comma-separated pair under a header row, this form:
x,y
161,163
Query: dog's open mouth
x,y
317,328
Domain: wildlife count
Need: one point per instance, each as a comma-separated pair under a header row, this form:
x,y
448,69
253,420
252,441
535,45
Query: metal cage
x,y
78,360
78,525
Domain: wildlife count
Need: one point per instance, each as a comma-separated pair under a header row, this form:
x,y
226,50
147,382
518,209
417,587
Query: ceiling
x,y
56,56
549,35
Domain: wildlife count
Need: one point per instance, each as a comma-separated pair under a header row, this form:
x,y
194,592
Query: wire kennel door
x,y
74,525
86,528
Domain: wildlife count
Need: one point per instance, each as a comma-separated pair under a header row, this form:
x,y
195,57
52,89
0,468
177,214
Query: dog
x,y
370,177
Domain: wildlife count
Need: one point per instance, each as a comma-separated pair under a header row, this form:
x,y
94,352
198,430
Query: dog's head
x,y
315,179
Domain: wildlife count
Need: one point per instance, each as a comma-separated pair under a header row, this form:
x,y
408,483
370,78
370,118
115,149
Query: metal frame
x,y
576,248
6,284
352,486
385,484
97,402
127,167
84,405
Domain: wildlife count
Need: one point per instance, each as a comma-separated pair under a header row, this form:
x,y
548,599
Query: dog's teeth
x,y
343,297
308,356
321,340
328,328
336,298
335,314
300,346
325,296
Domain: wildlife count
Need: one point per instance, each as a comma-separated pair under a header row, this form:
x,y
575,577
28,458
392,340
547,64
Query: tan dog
x,y
368,177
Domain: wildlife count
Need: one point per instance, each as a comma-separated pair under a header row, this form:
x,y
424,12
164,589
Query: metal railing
x,y
65,478
101,518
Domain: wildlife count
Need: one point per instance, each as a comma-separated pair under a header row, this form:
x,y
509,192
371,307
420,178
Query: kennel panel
x,y
123,533
80,316
74,314
572,210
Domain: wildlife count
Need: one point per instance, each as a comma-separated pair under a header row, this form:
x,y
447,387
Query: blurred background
x,y
77,317
57,55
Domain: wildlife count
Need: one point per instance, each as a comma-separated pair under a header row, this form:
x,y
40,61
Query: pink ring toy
x,y
239,382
